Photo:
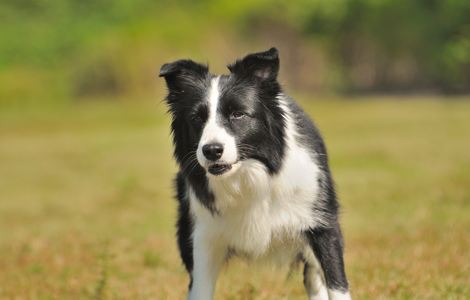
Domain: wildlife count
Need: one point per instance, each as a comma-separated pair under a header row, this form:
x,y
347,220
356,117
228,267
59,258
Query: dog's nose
x,y
213,151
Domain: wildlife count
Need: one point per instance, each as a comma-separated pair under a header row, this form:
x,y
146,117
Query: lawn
x,y
86,208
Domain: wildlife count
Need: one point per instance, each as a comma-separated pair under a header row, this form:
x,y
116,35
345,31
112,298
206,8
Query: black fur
x,y
251,88
184,225
326,241
327,244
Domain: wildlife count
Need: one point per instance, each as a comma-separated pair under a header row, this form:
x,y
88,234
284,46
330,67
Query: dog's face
x,y
223,121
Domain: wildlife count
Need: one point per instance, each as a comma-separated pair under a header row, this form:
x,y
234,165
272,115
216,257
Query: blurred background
x,y
86,208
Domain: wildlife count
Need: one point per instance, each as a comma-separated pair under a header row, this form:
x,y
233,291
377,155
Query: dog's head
x,y
221,122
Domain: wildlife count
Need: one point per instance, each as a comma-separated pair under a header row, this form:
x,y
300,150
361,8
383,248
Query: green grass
x,y
86,208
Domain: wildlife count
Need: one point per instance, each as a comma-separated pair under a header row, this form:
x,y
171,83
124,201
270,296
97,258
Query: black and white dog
x,y
254,179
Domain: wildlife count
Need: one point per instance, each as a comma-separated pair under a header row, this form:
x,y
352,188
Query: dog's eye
x,y
237,115
196,119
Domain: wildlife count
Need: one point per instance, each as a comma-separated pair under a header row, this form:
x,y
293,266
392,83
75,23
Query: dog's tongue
x,y
218,169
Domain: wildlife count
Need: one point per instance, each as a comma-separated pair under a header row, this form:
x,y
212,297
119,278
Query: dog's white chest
x,y
267,223
258,212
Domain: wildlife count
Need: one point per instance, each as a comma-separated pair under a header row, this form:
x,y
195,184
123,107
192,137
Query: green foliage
x,y
51,49
44,32
428,41
98,48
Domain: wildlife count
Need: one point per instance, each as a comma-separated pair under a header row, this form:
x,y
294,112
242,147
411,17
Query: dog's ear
x,y
262,65
182,73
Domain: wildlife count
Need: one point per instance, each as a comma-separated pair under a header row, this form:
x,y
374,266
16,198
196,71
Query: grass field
x,y
86,208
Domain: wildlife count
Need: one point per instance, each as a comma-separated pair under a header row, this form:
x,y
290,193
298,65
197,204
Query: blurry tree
x,y
60,49
392,45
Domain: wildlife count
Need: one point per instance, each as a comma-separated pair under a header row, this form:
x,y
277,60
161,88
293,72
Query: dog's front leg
x,y
327,245
209,254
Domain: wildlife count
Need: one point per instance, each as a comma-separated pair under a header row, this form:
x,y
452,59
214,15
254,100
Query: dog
x,y
253,177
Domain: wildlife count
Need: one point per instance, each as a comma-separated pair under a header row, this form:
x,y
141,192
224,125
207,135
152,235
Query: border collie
x,y
254,179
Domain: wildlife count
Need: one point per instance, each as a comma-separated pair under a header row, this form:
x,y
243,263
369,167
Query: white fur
x,y
338,295
210,257
214,133
255,208
314,280
316,289
258,215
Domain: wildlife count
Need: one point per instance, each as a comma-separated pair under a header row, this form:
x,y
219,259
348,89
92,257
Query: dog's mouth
x,y
219,168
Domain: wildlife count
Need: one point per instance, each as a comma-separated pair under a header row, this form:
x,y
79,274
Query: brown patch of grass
x,y
86,206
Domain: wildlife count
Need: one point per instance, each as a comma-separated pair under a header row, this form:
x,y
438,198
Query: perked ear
x,y
182,72
261,65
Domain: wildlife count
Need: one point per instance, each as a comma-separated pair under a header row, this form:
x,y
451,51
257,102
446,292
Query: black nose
x,y
213,151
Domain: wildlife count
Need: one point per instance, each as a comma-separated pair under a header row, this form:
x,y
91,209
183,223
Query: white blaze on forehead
x,y
213,99
213,132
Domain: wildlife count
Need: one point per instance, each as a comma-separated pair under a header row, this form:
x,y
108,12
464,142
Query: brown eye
x,y
237,115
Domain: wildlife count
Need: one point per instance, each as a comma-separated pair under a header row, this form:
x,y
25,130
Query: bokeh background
x,y
86,208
